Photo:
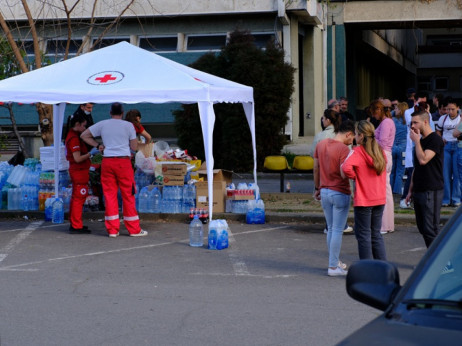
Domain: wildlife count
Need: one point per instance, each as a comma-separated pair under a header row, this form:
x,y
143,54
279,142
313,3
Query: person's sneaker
x,y
349,229
113,235
336,272
83,230
325,230
445,205
455,205
403,204
141,234
342,265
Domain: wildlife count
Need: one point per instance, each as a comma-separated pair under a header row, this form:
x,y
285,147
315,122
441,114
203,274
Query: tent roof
x,y
123,73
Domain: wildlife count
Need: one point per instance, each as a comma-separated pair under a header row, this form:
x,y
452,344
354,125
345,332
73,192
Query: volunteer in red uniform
x,y
134,116
79,165
119,138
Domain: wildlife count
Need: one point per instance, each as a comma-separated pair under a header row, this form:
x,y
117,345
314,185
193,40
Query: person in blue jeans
x,y
367,167
445,128
334,190
399,147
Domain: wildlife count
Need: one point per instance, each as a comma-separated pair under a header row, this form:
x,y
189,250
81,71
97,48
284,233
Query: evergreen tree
x,y
243,62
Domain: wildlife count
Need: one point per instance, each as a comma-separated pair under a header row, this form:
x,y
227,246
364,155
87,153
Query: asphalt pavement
x,y
268,288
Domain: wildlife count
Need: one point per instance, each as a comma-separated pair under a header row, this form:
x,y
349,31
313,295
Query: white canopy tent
x,y
128,74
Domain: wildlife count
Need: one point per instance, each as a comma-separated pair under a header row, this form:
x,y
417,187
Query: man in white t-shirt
x,y
445,128
119,138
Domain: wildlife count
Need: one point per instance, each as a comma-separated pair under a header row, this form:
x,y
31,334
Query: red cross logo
x,y
105,78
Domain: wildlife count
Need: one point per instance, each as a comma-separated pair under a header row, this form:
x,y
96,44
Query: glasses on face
x,y
394,105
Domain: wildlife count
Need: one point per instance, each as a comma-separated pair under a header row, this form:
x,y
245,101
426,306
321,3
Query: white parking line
x,y
415,249
22,229
239,265
18,239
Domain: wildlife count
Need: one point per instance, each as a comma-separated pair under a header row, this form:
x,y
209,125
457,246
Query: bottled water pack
x,y
218,235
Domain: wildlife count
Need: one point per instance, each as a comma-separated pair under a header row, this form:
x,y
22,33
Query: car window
x,y
443,278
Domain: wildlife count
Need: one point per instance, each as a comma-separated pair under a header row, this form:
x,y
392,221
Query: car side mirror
x,y
373,282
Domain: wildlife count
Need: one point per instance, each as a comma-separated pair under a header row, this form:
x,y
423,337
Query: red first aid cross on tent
x,y
106,78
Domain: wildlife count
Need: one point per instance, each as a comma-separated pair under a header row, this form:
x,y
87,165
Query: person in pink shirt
x,y
366,165
385,136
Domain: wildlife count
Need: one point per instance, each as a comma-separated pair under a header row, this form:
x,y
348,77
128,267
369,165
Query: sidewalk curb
x,y
271,217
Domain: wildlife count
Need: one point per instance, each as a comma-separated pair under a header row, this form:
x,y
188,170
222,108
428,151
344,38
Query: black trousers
x,y
427,207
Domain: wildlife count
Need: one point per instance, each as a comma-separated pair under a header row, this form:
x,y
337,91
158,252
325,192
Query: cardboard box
x,y
219,194
174,169
173,180
241,197
218,174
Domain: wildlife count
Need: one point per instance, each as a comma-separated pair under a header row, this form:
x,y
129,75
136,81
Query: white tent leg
x,y
207,116
58,120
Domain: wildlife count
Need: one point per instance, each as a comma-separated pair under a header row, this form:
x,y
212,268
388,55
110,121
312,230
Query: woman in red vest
x,y
79,166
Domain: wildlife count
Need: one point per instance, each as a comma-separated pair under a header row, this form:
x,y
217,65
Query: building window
x,y
425,84
26,46
58,47
105,42
159,44
441,83
206,42
262,39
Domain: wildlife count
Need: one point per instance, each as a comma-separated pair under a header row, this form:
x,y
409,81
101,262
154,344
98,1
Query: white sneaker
x,y
325,230
113,235
342,265
141,234
349,229
336,272
403,204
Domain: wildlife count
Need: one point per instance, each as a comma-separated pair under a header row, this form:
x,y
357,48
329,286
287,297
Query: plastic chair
x,y
276,163
303,163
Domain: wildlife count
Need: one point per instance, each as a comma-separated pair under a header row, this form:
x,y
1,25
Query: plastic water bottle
x,y
144,200
49,208
155,200
196,232
57,211
222,242
25,203
213,235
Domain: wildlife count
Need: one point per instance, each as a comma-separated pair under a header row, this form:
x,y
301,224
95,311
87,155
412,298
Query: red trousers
x,y
117,173
79,180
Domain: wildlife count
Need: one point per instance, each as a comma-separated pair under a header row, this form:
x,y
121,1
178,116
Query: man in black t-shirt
x,y
427,183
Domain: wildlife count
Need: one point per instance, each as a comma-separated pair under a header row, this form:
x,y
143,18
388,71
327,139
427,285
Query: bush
x,y
272,79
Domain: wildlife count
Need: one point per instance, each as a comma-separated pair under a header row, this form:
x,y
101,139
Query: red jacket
x,y
370,188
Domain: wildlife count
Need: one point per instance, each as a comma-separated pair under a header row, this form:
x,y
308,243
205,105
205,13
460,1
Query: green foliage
x,y
8,63
272,79
289,157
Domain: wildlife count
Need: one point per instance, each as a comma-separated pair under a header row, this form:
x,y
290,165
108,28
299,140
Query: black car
x,y
427,310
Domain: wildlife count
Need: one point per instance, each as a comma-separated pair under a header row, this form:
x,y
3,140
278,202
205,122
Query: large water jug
x,y
155,200
196,232
144,200
57,211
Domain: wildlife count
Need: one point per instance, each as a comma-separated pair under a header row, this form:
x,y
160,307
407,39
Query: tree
x,y
8,68
272,79
13,32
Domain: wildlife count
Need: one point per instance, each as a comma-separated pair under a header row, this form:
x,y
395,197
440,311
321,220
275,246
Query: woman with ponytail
x,y
366,165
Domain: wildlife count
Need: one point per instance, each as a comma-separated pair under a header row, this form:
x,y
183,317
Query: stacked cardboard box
x,y
220,179
174,173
